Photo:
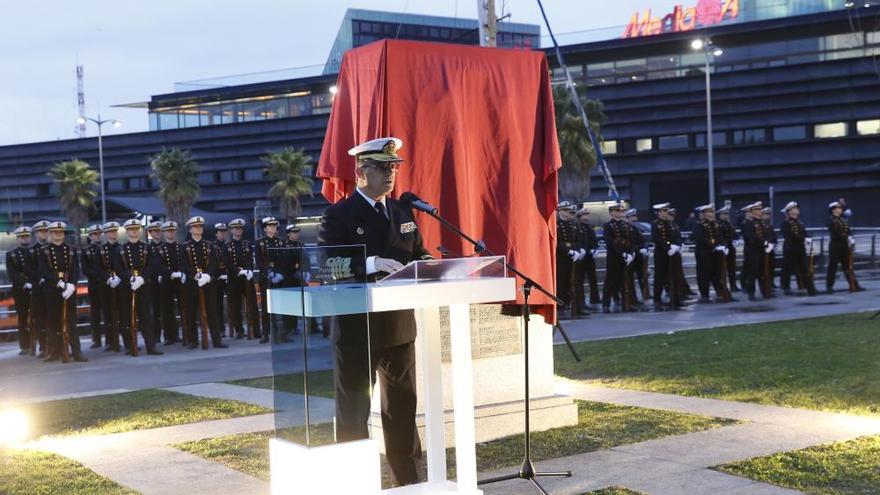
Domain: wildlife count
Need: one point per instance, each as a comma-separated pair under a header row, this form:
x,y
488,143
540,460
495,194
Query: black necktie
x,y
380,209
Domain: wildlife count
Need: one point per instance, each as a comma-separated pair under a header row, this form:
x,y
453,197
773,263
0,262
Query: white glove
x,y
850,240
242,273
61,284
720,249
582,253
28,286
68,291
670,252
159,279
768,247
136,282
594,252
224,277
307,277
277,278
387,265
203,279
249,275
738,243
726,251
572,254
114,281
175,275
643,251
628,258
182,278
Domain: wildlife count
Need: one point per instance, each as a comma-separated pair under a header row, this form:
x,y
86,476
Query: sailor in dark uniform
x,y
729,237
37,311
201,261
135,266
755,250
590,245
618,236
797,251
59,268
639,269
172,281
841,249
240,289
111,293
220,231
710,253
392,239
569,252
667,258
90,260
268,260
17,261
154,242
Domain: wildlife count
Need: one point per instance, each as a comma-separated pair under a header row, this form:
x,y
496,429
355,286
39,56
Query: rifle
x,y
811,271
203,316
65,332
181,300
32,323
643,278
257,293
850,270
722,274
134,320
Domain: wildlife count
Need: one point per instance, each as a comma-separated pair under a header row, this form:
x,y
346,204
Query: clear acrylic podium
x,y
333,283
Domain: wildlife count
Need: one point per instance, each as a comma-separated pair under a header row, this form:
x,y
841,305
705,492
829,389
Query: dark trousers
x,y
240,290
615,279
592,279
55,308
22,299
563,276
112,309
839,254
579,272
796,262
137,305
265,317
639,269
356,367
172,303
38,317
668,275
754,264
731,266
156,302
194,311
709,274
220,292
96,309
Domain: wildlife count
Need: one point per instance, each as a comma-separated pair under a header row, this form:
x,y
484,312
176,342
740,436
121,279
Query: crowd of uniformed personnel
x,y
715,243
145,286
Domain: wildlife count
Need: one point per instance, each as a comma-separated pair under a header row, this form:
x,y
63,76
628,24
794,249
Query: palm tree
x,y
578,155
77,183
288,170
178,176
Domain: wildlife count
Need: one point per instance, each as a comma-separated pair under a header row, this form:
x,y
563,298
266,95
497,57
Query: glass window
x,y
749,136
300,105
867,127
189,117
789,133
115,184
206,178
719,138
168,120
253,174
644,144
154,121
830,130
229,176
137,183
321,103
673,142
609,147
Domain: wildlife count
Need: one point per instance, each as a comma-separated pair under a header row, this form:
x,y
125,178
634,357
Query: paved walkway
x,y
600,326
145,461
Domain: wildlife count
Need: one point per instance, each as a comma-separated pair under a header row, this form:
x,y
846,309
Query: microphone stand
x,y
527,470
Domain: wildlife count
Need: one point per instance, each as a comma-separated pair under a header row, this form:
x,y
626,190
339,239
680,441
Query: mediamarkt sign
x,y
705,13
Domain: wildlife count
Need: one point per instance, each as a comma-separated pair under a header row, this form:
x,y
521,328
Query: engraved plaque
x,y
492,333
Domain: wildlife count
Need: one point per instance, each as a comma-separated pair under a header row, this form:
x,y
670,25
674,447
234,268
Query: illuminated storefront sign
x,y
705,13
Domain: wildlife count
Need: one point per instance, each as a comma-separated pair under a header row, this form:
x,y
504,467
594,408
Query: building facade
x,y
796,106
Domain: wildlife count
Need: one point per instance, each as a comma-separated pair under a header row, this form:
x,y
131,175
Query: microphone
x,y
414,201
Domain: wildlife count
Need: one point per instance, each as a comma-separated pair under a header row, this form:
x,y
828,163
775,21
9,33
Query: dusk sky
x,y
134,50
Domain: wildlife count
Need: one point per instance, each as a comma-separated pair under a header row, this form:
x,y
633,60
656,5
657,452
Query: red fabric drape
x,y
479,138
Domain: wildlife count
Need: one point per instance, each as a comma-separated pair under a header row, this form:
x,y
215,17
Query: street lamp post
x,y
100,123
710,50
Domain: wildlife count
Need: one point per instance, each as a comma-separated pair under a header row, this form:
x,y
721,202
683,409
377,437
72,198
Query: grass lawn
x,y
320,383
827,363
600,426
130,411
614,490
842,468
27,472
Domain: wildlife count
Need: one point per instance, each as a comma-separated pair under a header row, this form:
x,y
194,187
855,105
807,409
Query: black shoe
x,y
154,352
752,297
606,308
220,345
239,336
51,358
41,355
79,358
264,340
812,293
829,291
704,300
23,352
170,342
95,345
193,346
787,292
858,288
